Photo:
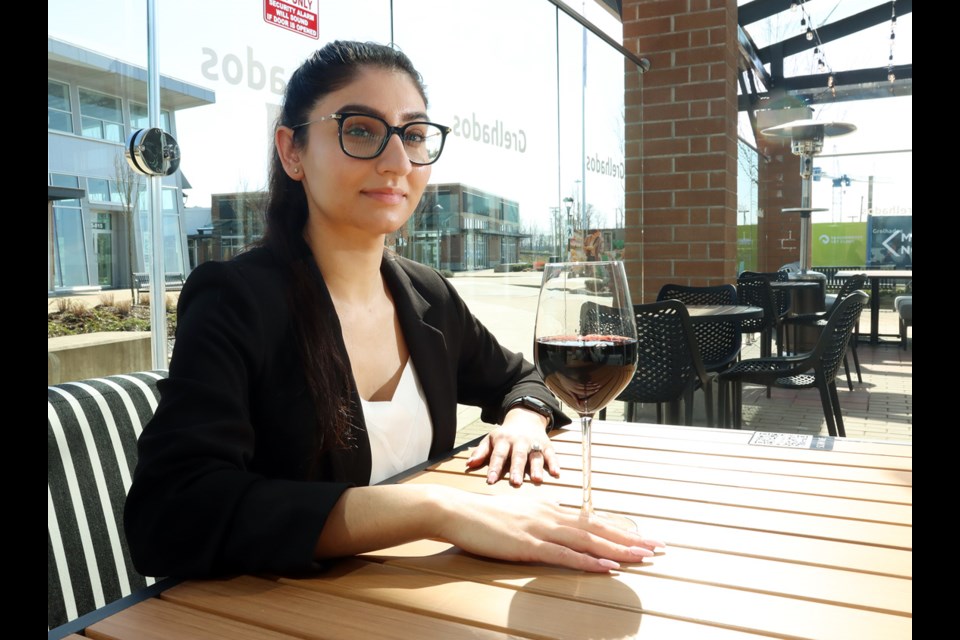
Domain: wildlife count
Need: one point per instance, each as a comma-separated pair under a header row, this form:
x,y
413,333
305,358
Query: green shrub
x,y
77,319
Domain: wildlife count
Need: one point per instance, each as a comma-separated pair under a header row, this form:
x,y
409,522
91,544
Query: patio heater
x,y
806,140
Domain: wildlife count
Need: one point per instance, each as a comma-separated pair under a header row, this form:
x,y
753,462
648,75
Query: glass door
x,y
103,248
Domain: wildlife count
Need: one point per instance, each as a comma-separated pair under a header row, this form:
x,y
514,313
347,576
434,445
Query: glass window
x,y
116,194
140,120
98,190
172,245
172,251
476,203
70,252
100,116
61,180
59,113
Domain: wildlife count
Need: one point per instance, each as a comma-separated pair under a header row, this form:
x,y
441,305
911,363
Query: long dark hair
x,y
328,376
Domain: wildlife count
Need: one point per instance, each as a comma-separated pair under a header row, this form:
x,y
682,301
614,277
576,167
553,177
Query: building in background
x,y
233,222
98,227
460,228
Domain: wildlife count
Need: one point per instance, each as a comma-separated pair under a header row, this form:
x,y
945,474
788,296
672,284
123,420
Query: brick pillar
x,y
681,144
780,187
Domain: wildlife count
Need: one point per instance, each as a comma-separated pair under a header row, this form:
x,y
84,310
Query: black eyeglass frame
x,y
400,131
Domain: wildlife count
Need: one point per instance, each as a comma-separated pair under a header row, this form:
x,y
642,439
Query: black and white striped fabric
x,y
92,431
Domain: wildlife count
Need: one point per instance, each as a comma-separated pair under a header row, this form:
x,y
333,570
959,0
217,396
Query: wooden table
x,y
875,275
769,536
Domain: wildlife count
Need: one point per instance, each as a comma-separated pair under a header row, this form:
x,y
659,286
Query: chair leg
x,y
835,399
827,401
846,369
722,404
708,400
673,411
688,406
737,404
856,362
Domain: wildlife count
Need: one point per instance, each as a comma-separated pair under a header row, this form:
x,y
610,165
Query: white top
x,y
400,429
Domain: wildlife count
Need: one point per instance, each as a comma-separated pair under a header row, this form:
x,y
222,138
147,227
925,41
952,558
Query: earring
x,y
296,169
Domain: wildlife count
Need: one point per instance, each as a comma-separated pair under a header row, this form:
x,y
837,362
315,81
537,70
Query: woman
x,y
317,364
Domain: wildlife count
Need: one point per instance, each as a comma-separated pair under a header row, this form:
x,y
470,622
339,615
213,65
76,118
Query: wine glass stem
x,y
586,509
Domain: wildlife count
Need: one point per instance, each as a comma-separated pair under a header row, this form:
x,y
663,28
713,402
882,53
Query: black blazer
x,y
221,481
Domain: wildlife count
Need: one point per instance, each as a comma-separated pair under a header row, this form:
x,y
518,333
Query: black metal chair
x,y
781,308
817,368
903,305
818,319
719,342
755,290
669,368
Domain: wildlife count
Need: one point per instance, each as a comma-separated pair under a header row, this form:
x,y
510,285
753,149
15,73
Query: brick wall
x,y
681,144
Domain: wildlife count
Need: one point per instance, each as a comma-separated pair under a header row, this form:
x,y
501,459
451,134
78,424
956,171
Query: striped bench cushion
x,y
92,431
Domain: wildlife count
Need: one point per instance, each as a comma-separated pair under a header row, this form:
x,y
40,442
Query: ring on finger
x,y
535,448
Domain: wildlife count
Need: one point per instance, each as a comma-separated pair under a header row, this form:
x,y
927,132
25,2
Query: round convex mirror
x,y
153,152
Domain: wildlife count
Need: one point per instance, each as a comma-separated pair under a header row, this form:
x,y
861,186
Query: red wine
x,y
586,372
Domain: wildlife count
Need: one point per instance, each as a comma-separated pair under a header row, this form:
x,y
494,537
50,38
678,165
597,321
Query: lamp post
x,y
437,210
568,202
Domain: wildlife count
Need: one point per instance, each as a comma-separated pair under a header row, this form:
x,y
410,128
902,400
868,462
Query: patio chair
x,y
719,342
669,368
92,431
904,308
782,298
754,289
816,369
819,318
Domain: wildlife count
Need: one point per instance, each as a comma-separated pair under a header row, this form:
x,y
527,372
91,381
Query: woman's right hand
x,y
523,529
515,527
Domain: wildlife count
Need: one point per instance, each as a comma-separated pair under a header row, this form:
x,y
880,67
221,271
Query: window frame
x,y
103,129
68,113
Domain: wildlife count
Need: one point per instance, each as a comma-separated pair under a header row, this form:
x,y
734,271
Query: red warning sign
x,y
299,16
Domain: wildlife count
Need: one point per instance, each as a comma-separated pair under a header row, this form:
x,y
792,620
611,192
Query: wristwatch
x,y
536,405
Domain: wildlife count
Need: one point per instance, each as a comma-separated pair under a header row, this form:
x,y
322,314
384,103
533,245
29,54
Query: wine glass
x,y
585,344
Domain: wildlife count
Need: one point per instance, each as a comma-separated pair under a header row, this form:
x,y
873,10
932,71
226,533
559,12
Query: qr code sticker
x,y
794,440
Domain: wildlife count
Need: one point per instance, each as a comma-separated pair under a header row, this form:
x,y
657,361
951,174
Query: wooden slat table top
x,y
781,538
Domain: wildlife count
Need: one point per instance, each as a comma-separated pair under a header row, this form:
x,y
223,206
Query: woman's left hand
x,y
519,446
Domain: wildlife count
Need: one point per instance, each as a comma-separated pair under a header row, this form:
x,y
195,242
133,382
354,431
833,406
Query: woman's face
x,y
353,196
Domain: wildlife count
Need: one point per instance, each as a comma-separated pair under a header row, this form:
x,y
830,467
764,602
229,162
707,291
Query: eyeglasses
x,y
364,136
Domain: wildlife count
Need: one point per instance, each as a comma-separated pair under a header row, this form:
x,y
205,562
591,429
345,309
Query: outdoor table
x,y
769,536
722,312
805,296
875,275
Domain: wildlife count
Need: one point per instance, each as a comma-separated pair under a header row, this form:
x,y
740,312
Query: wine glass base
x,y
617,520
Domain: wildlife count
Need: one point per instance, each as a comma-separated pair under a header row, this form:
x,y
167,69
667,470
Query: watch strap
x,y
536,405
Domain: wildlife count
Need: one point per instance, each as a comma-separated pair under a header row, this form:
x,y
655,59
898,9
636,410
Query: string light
x,y
811,34
891,76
